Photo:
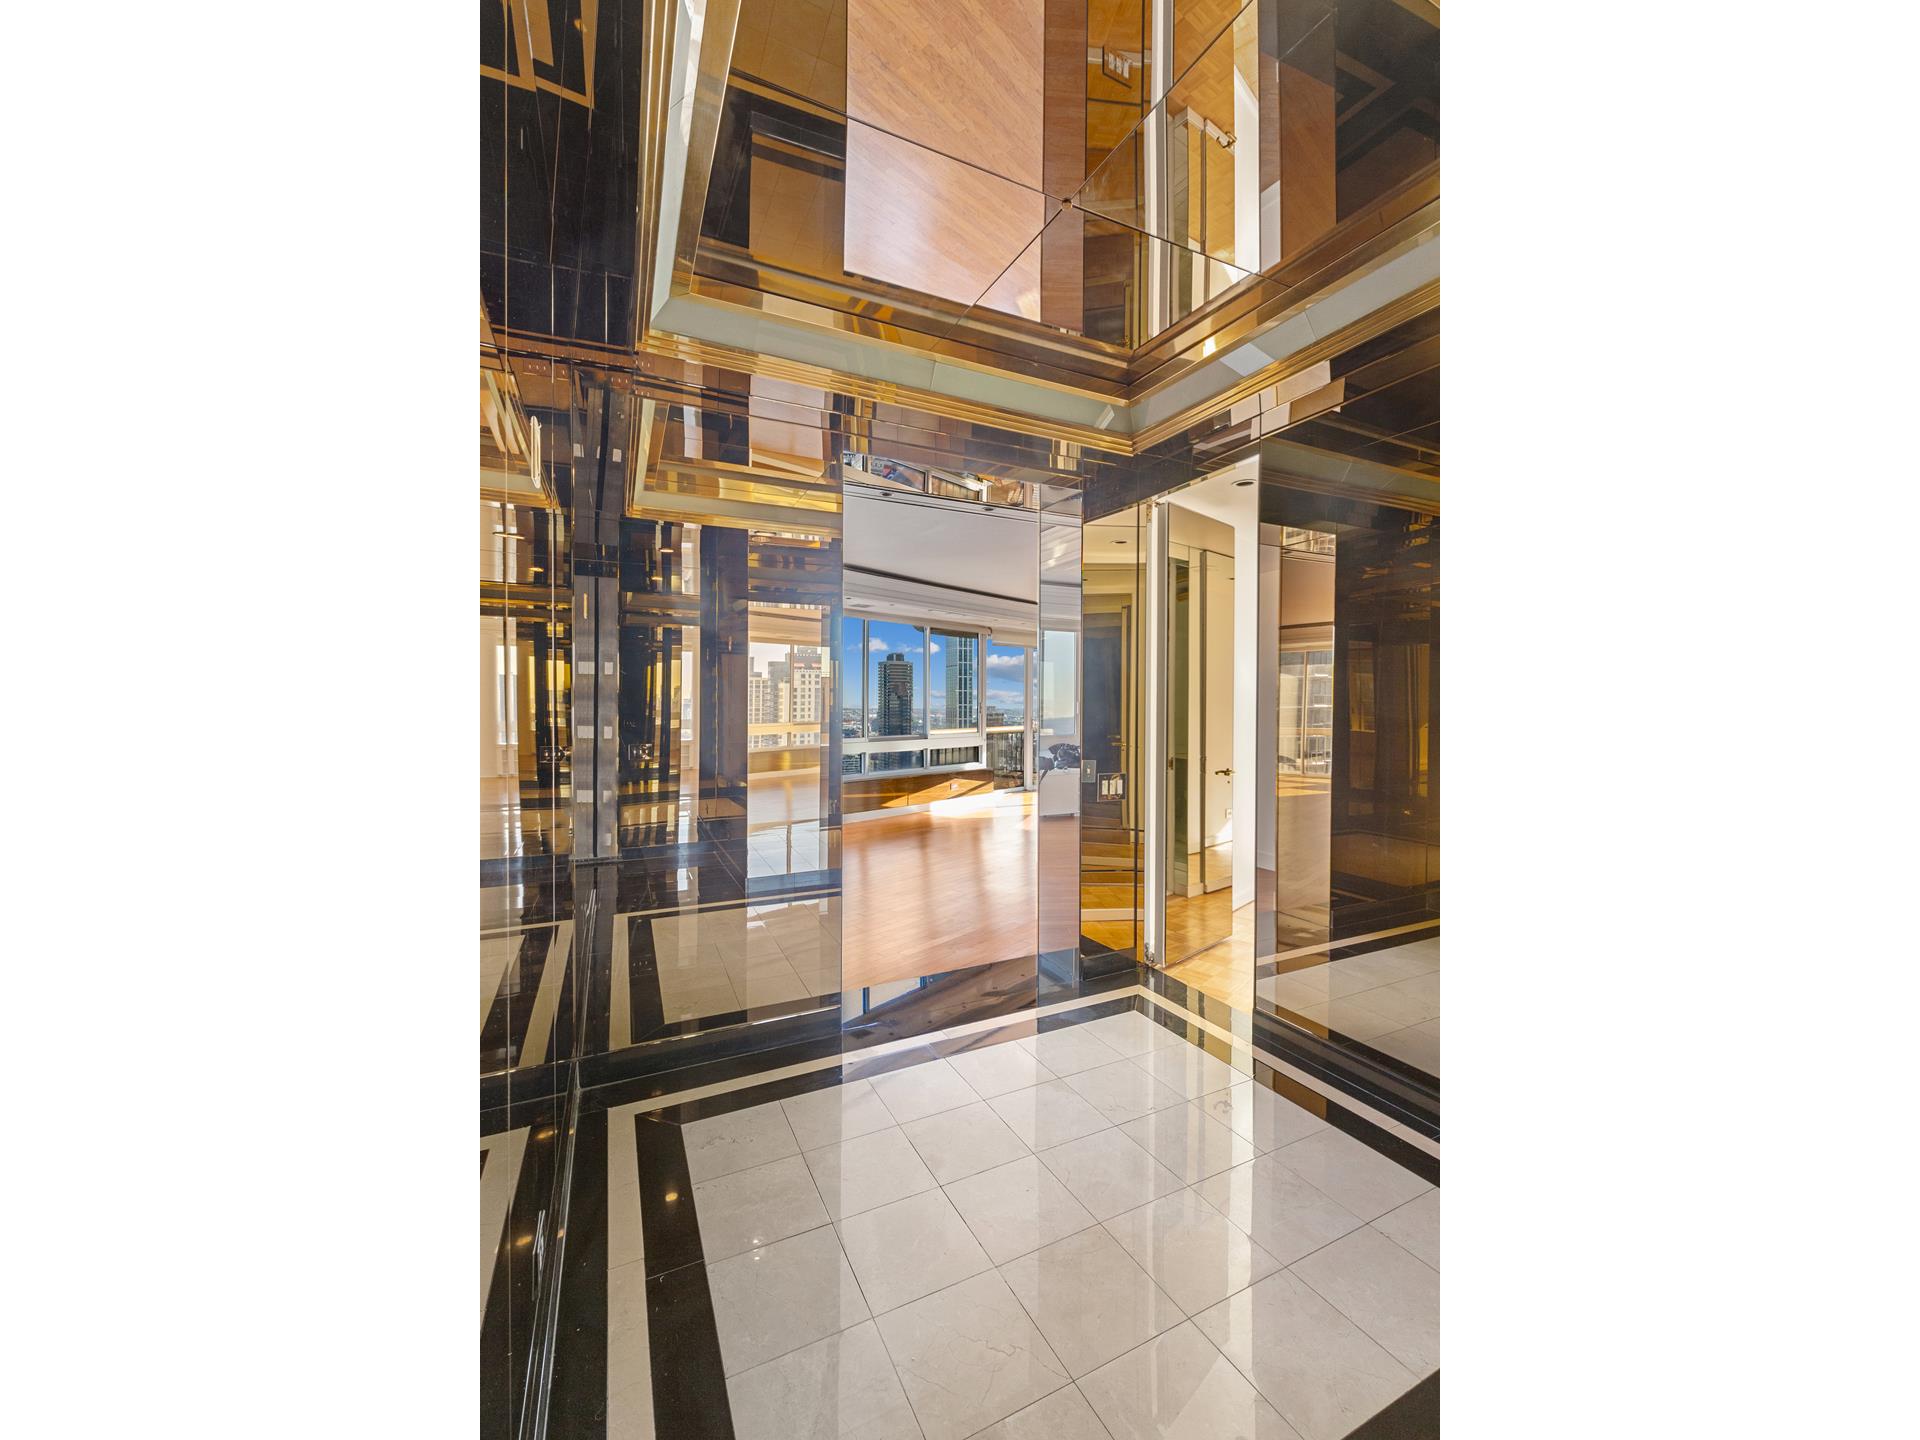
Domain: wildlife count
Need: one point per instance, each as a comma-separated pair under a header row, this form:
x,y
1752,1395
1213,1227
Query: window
x,y
953,755
1006,686
852,669
881,760
896,679
953,681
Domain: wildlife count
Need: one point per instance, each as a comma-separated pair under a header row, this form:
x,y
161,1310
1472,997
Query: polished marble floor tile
x,y
867,1171
922,1090
1017,1207
1319,1369
1178,1386
843,1112
1358,1179
838,1388
1090,1299
1384,1290
957,1143
750,1208
1192,1251
1425,988
910,1248
1063,1415
1280,1210
996,1069
1191,1071
1122,1091
968,1355
769,1301
1069,1051
739,1141
1047,1115
1188,1142
1255,1113
1132,1033
891,1256
1109,1173
1415,1227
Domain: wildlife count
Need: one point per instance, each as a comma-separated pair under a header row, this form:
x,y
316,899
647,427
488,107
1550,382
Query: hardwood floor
x,y
1223,970
941,890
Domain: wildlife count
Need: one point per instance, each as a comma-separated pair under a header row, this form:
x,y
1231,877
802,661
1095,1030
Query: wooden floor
x,y
1222,969
942,890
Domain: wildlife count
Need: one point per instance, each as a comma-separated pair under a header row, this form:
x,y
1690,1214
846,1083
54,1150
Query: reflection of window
x,y
1006,686
787,687
1305,732
953,681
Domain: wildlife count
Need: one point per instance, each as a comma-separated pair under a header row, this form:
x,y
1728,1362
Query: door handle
x,y
1223,772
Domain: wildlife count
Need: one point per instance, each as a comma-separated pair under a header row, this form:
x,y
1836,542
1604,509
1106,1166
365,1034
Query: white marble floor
x,y
1388,998
1099,1231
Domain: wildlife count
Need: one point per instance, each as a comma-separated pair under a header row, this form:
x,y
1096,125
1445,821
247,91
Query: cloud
x,y
1005,662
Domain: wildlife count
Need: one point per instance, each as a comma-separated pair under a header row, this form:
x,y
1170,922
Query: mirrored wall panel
x,y
940,698
1356,779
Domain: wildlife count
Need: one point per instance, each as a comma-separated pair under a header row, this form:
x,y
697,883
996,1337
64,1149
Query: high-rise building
x,y
963,682
762,708
895,710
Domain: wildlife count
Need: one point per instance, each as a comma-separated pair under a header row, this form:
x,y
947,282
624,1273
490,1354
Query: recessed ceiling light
x,y
1243,482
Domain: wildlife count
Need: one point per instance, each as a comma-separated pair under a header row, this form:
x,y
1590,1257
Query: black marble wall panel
x,y
1385,822
723,687
560,114
1386,732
